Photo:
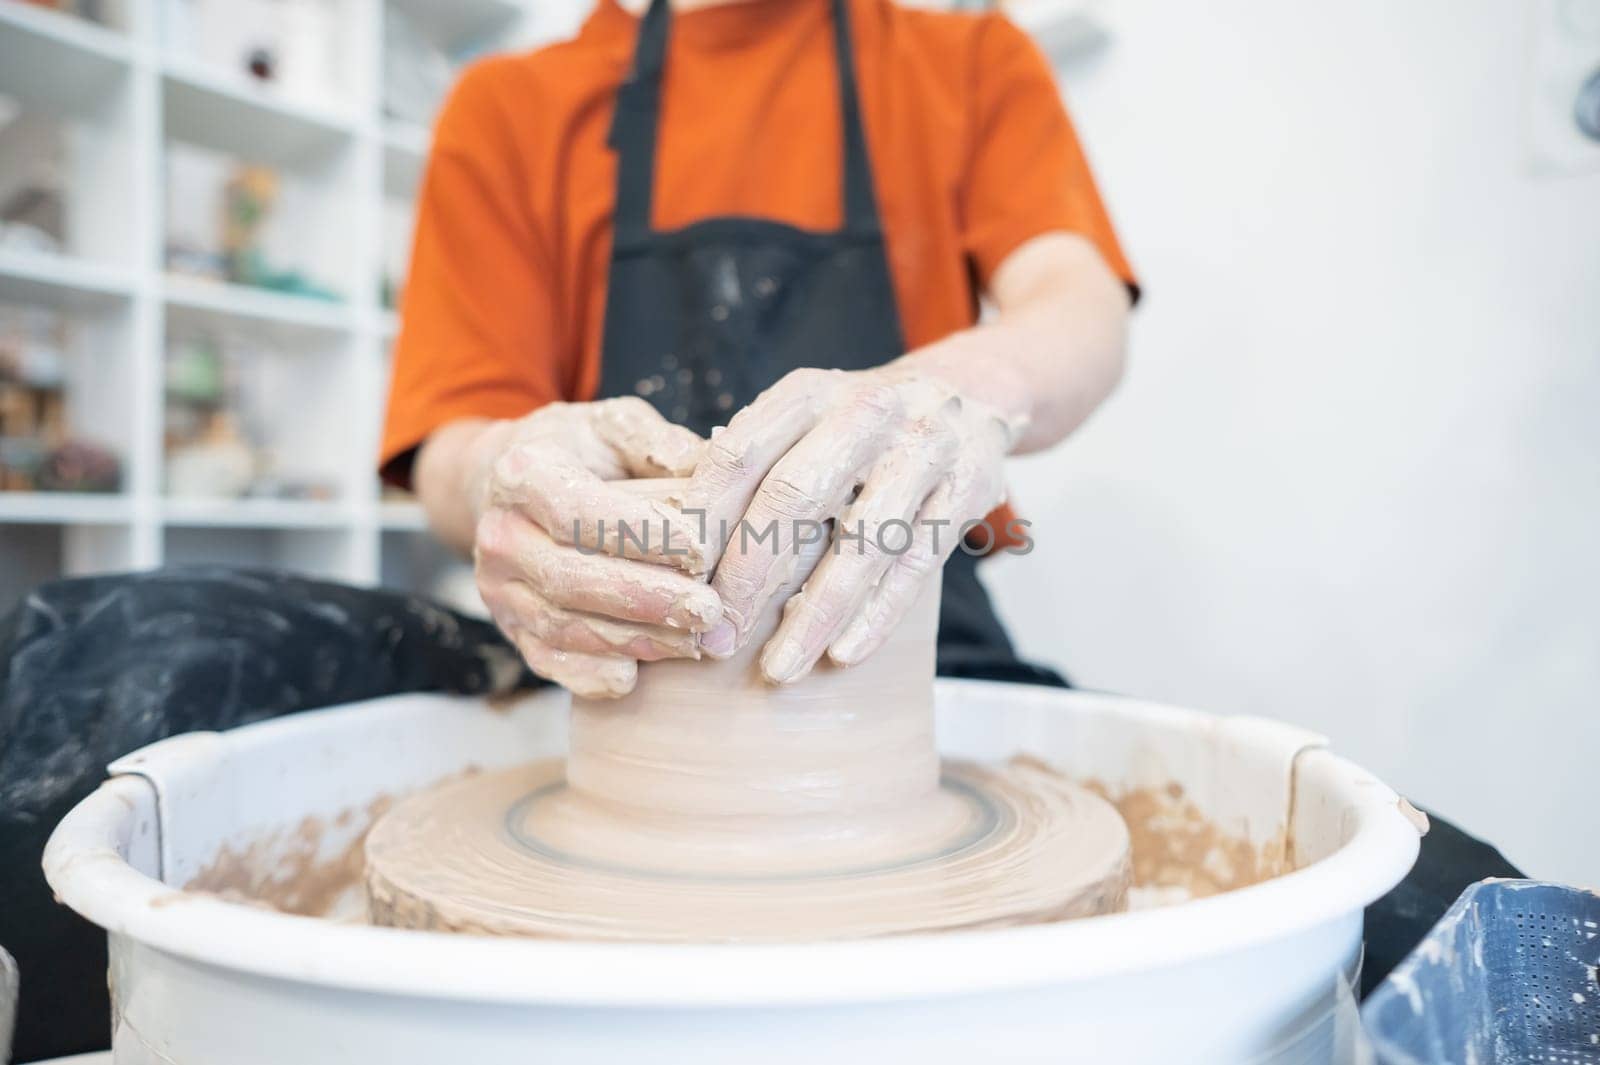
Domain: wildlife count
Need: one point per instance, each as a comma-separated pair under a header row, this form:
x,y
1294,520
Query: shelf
x,y
459,24
61,281
402,515
325,549
63,508
253,514
229,113
405,153
201,302
56,60
405,143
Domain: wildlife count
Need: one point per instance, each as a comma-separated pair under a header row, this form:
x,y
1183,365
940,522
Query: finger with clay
x,y
895,459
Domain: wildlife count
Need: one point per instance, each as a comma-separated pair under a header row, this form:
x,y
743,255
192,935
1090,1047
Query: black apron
x,y
700,320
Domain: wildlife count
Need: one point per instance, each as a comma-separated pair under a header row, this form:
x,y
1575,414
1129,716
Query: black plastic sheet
x,y
91,669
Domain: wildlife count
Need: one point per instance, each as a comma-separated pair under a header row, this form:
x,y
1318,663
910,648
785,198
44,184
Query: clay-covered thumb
x,y
646,443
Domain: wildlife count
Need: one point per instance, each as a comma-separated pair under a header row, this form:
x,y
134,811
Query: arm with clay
x,y
920,441
516,490
521,495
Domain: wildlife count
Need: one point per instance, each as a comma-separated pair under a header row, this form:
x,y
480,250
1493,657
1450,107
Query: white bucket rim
x,y
85,866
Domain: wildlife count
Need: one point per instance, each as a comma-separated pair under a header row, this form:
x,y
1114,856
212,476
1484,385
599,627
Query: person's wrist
x,y
990,424
491,442
992,390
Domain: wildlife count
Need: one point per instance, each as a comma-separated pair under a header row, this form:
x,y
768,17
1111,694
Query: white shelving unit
x,y
131,96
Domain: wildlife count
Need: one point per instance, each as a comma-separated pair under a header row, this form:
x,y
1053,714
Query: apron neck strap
x,y
860,205
634,128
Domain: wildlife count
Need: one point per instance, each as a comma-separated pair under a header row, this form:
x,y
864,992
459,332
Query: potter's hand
x,y
581,617
898,456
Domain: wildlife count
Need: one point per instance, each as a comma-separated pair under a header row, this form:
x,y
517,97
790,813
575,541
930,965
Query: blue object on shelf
x,y
1507,975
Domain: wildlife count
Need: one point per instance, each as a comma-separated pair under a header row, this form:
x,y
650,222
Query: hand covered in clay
x,y
899,460
584,604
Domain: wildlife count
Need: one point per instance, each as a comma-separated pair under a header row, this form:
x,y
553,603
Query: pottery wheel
x,y
468,857
710,805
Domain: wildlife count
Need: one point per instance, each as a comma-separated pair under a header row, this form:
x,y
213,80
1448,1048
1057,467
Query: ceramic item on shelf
x,y
220,465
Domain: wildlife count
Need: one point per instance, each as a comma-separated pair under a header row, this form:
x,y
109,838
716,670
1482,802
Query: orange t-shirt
x,y
971,149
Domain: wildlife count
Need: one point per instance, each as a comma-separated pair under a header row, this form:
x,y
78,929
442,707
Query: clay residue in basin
x,y
313,869
1180,853
296,870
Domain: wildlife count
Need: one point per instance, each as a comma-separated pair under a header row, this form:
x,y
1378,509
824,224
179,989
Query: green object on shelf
x,y
297,284
249,268
196,373
249,197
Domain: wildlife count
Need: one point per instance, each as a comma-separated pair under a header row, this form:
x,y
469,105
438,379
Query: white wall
x,y
1353,477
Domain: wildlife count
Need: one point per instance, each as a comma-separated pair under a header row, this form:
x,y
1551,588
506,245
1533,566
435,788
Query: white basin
x,y
1248,975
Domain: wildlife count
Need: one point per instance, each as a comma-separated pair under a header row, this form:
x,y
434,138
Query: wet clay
x,y
1179,853
1043,856
709,804
297,870
304,870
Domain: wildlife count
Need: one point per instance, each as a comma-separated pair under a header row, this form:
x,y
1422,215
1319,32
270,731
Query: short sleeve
x,y
478,334
1028,174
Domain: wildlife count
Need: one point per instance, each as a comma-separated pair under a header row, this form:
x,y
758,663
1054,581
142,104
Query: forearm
x,y
451,466
1056,348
